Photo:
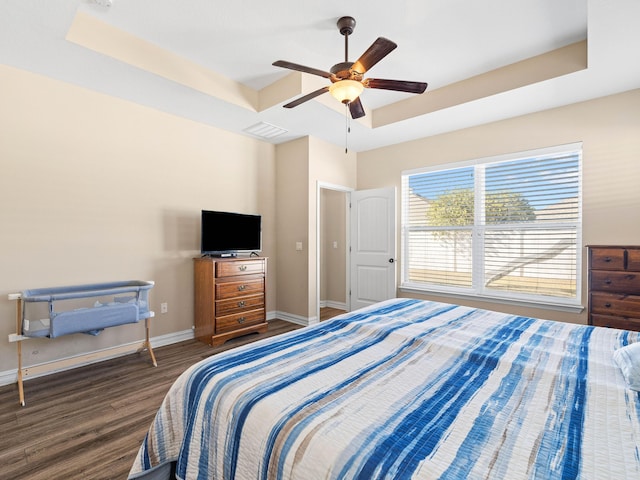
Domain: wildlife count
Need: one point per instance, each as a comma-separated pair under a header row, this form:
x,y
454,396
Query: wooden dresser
x,y
229,298
614,286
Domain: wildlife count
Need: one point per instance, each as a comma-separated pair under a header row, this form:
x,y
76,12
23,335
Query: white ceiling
x,y
439,42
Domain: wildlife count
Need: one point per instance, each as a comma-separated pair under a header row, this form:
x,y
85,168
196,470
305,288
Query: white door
x,y
373,246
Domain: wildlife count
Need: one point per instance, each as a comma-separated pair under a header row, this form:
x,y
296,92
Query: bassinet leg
x,y
147,342
19,349
20,386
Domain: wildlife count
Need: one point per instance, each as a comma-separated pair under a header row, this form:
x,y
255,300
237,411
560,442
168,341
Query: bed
x,y
406,389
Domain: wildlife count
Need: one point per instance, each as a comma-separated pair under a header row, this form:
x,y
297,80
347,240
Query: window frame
x,y
478,291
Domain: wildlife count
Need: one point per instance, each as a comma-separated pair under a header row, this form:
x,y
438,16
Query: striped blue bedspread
x,y
406,389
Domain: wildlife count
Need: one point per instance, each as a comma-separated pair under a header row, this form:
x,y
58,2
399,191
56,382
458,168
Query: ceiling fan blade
x,y
376,52
356,109
397,85
306,97
301,68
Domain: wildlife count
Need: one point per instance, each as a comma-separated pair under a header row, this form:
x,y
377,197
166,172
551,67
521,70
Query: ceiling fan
x,y
347,82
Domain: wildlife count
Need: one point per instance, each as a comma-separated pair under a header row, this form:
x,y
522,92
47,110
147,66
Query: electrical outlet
x,y
299,246
164,308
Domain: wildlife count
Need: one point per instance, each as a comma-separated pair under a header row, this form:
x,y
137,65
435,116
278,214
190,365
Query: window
x,y
504,227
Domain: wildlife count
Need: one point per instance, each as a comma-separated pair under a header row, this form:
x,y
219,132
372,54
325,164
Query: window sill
x,y
520,303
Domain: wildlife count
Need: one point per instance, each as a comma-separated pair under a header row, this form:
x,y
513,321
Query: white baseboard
x,y
332,304
297,319
11,376
171,338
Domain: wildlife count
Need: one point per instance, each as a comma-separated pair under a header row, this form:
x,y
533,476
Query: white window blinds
x,y
501,227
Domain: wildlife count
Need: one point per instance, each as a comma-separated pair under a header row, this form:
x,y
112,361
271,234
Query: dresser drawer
x,y
623,323
239,267
607,259
228,323
633,259
239,288
618,282
615,305
225,307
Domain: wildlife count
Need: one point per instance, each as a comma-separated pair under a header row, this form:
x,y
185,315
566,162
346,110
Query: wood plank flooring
x,y
88,423
329,312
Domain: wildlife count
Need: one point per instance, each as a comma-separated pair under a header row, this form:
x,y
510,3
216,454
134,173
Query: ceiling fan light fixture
x,y
347,78
346,91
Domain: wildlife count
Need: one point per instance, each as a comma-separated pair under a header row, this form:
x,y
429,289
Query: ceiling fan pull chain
x,y
347,128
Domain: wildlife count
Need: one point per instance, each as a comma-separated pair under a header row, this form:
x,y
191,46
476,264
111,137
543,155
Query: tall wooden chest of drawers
x,y
229,298
614,286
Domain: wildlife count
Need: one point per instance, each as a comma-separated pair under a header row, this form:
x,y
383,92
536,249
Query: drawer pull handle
x,y
241,304
607,259
608,281
607,305
241,320
242,288
242,268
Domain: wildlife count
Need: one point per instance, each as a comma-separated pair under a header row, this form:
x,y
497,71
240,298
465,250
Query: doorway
x,y
368,268
333,264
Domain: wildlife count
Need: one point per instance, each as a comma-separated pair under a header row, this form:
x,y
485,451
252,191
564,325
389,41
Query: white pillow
x,y
628,360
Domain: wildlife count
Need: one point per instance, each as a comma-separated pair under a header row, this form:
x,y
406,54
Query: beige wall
x,y
333,262
301,165
96,189
610,131
292,207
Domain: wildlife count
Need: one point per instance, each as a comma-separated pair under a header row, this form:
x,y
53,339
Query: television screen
x,y
226,233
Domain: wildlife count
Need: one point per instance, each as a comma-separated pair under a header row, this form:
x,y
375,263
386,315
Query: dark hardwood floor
x,y
88,423
329,312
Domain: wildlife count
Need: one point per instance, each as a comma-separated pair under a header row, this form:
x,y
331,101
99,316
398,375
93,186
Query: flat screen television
x,y
225,234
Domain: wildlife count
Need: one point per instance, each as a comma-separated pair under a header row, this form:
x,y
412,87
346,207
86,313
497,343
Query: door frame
x,y
347,191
